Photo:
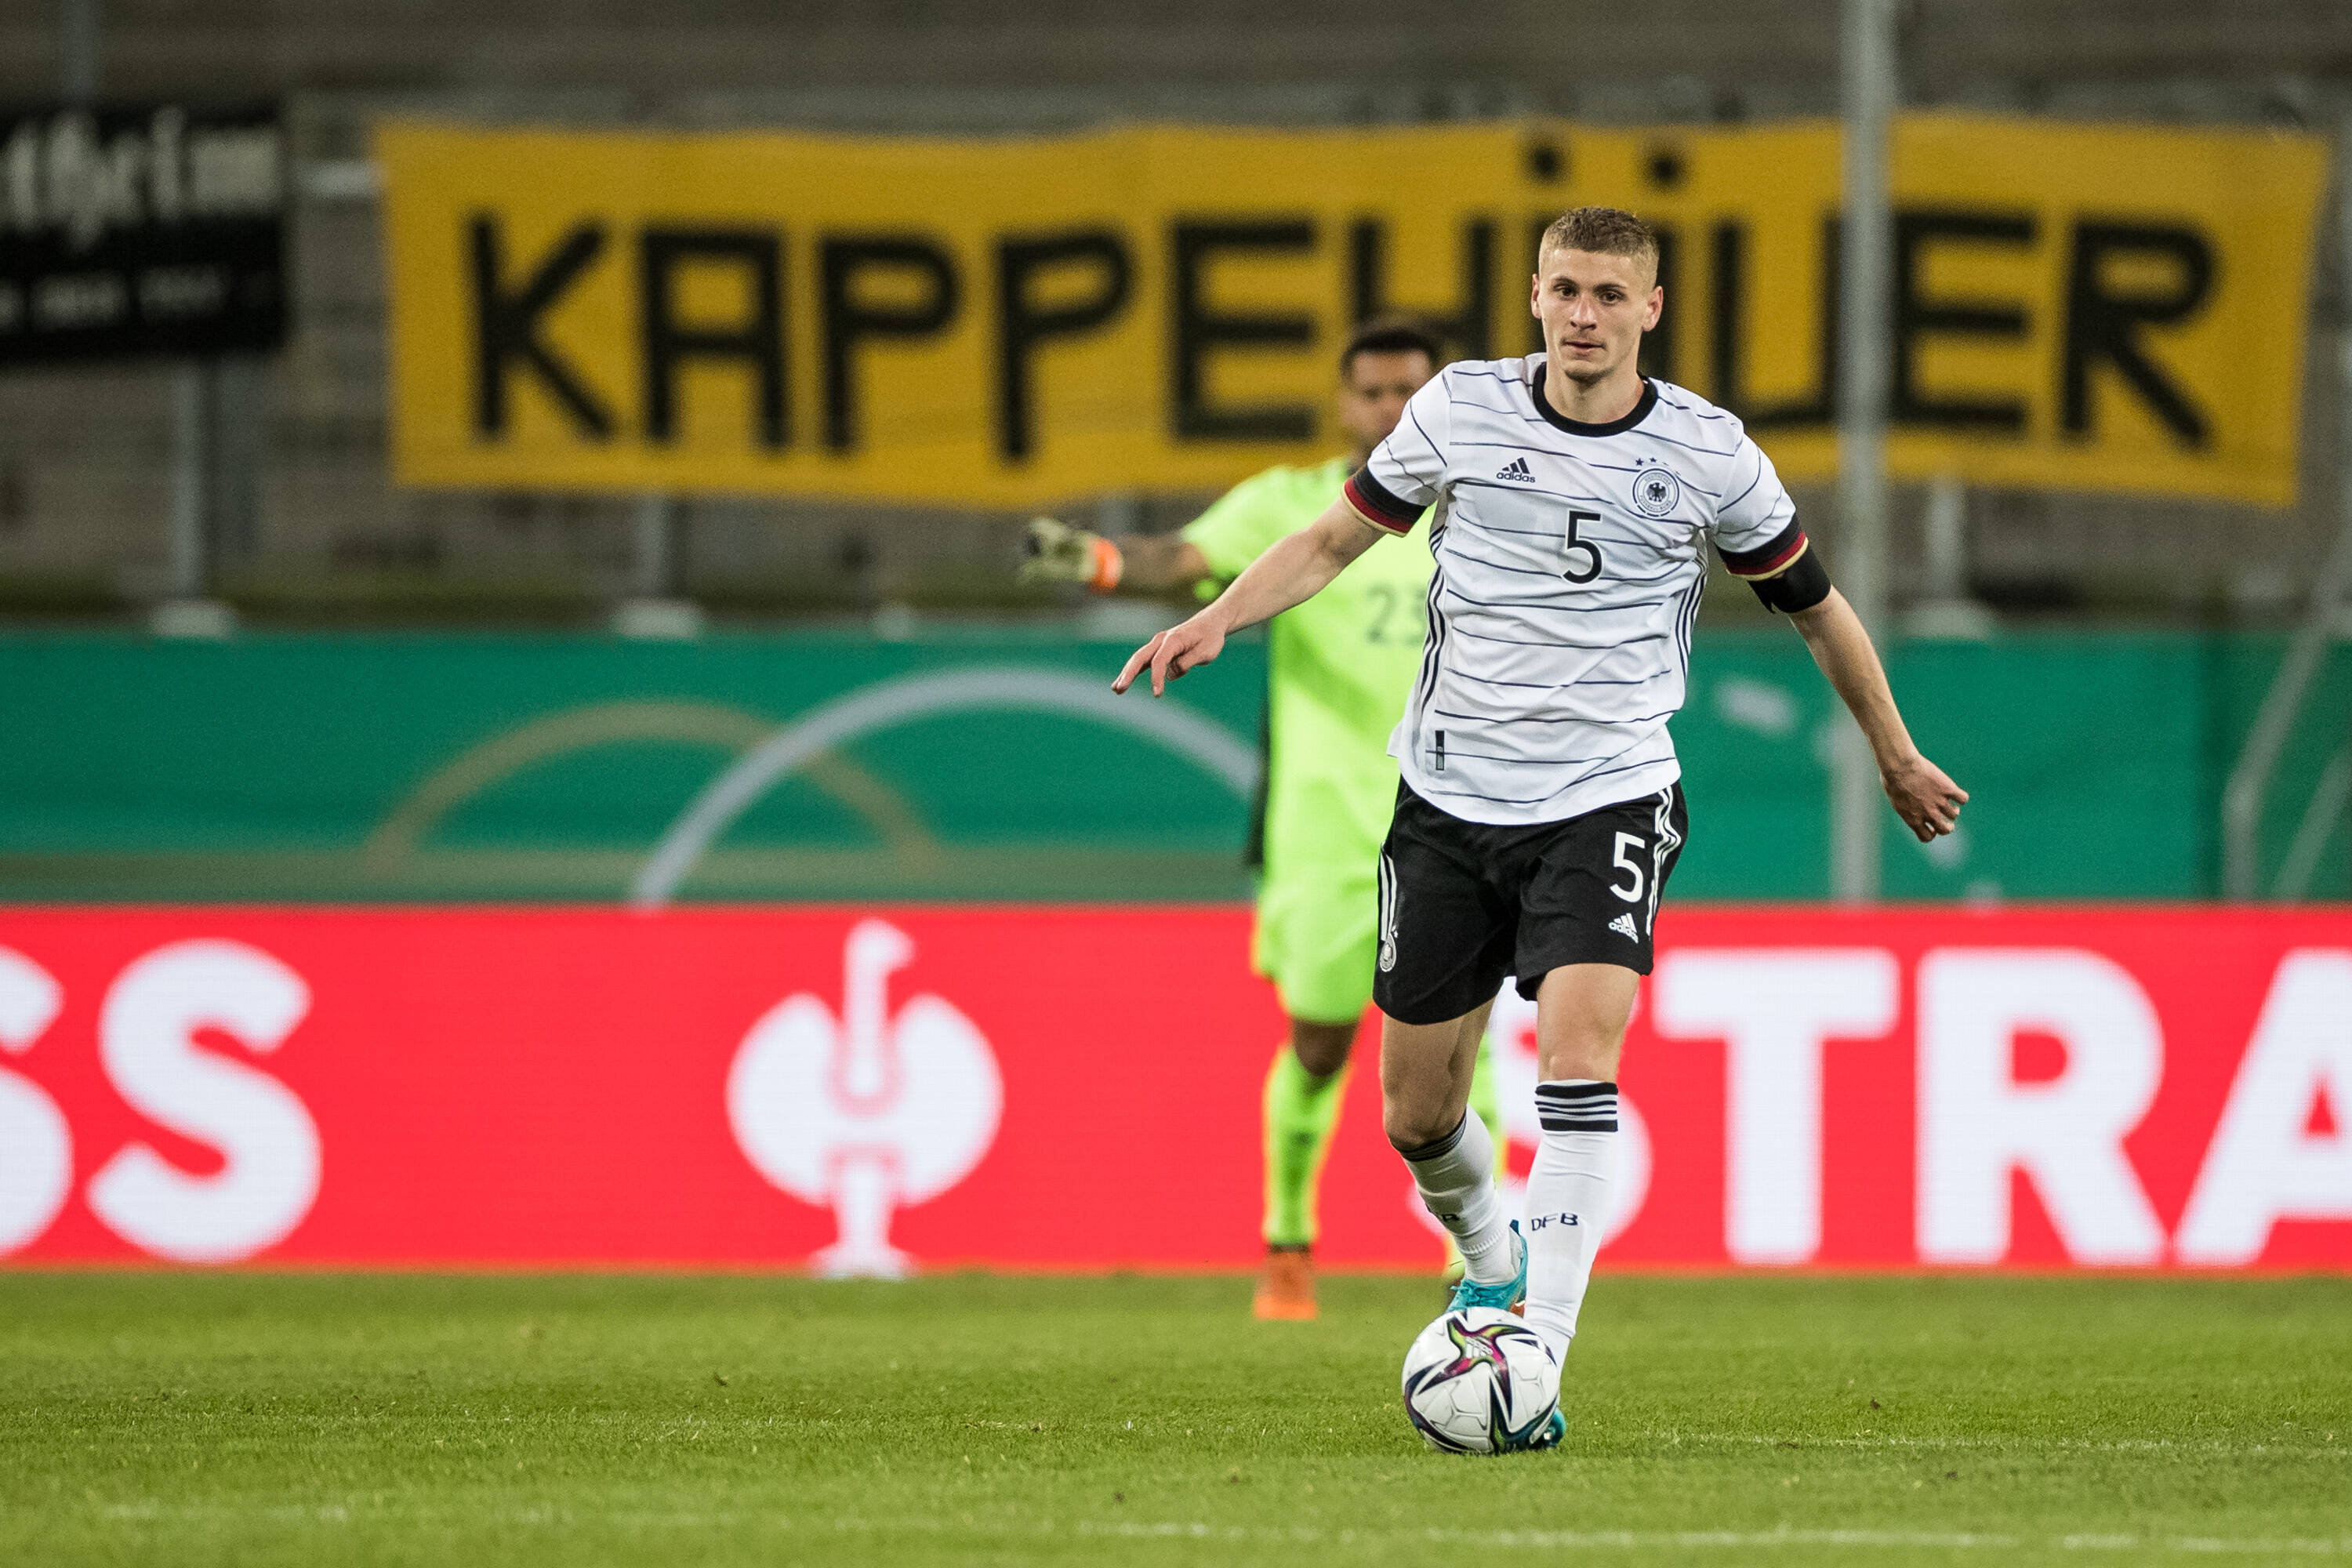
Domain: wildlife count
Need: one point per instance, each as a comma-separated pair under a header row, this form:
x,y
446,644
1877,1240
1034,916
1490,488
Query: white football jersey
x,y
1571,558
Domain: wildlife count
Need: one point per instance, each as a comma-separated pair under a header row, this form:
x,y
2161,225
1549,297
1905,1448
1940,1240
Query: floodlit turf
x,y
256,1419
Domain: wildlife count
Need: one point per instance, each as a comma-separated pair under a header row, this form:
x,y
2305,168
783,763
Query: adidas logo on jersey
x,y
1516,471
1623,926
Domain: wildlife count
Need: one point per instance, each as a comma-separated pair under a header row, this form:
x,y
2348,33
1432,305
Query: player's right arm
x,y
1397,483
1292,571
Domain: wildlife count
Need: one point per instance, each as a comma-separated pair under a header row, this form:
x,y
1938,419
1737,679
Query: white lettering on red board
x,y
1977,1123
2265,1163
36,1145
269,1146
1773,1008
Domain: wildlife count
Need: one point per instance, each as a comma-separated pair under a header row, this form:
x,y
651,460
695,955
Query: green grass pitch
x,y
270,1418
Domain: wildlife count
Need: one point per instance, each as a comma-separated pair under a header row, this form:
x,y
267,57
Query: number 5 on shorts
x,y
1634,841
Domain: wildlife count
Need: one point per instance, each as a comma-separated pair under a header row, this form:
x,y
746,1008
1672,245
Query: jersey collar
x,y
1560,421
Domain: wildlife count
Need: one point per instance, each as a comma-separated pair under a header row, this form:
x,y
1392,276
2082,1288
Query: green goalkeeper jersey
x,y
1339,669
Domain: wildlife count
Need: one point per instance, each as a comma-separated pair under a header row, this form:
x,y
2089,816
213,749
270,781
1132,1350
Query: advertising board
x,y
141,230
872,1090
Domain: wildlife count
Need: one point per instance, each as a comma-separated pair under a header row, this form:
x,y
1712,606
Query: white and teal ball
x,y
1479,1381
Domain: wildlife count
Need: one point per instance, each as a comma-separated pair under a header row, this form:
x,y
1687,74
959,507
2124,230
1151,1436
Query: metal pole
x,y
188,611
1867,90
77,52
653,611
192,427
2249,786
654,566
1945,531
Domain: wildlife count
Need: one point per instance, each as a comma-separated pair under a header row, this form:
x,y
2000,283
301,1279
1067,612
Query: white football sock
x,y
1456,1178
1568,1202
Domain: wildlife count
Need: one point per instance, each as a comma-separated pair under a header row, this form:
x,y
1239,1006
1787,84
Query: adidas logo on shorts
x,y
1516,470
1623,926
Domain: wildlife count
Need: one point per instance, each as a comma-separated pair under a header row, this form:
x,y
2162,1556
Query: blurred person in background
x,y
1340,668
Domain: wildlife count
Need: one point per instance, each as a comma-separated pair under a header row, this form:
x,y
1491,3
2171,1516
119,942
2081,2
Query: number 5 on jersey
x,y
1632,893
1584,555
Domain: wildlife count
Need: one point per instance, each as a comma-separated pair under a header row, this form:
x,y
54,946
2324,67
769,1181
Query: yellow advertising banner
x,y
1007,323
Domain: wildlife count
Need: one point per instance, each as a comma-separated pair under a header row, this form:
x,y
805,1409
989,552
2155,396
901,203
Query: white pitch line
x,y
2084,1445
151,1512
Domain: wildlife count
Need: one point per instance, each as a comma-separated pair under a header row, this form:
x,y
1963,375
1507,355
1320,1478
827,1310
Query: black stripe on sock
x,y
1559,1124
1442,1146
1574,1092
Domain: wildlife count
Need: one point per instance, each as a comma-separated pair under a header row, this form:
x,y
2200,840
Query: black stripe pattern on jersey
x,y
1576,1106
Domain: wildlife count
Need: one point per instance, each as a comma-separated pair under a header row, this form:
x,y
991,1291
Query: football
x,y
1480,1381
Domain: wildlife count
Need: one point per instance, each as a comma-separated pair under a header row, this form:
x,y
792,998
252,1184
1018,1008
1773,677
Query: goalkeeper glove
x,y
1061,554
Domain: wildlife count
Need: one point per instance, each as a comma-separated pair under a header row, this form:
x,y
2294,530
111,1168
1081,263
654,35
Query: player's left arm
x,y
1757,533
1923,796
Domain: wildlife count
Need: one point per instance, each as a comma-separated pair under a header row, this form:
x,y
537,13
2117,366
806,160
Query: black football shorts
x,y
1464,903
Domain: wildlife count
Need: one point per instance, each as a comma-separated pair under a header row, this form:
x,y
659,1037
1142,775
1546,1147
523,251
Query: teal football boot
x,y
1468,1293
1554,1431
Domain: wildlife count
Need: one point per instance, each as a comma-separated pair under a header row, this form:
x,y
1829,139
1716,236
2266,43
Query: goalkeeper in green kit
x,y
1340,667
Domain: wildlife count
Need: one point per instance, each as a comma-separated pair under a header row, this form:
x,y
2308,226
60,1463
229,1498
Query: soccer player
x,y
1338,671
1541,812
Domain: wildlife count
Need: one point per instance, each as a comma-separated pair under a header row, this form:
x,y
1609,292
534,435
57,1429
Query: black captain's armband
x,y
1786,574
1378,505
1803,583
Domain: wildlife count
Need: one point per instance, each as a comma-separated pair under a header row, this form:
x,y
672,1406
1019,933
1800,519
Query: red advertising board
x,y
864,1089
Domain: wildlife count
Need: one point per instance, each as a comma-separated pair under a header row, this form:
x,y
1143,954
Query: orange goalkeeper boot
x,y
1286,1286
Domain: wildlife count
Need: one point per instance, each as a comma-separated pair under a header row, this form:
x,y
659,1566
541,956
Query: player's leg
x,y
1426,1073
1587,909
1303,1088
1486,1096
1446,939
1486,1105
1314,941
1581,1013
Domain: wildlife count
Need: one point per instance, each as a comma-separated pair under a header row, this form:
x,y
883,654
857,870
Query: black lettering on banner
x,y
1198,332
1469,326
757,341
1729,333
1917,315
2105,326
1023,325
1657,352
506,327
848,321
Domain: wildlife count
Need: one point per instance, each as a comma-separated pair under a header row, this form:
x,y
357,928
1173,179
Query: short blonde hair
x,y
1604,231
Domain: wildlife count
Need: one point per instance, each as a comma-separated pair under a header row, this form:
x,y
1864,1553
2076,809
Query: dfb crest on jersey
x,y
1656,491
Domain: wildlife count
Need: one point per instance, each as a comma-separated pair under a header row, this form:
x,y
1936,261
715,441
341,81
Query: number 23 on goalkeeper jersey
x,y
1339,668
